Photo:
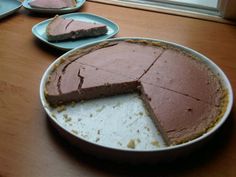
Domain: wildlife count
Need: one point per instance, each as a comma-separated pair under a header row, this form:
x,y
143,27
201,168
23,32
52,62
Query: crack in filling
x,y
184,94
87,52
81,80
68,24
106,45
59,85
152,64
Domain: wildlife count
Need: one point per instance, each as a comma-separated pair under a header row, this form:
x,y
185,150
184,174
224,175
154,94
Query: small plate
x,y
108,127
53,11
8,7
39,30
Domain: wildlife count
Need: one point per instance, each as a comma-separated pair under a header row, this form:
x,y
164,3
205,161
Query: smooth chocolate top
x,y
180,117
184,74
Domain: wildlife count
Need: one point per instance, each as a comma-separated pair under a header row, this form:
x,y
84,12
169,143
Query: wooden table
x,y
28,144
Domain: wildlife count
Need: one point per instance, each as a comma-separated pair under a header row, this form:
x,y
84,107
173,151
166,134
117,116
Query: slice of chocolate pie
x,y
52,4
76,82
60,29
184,97
179,118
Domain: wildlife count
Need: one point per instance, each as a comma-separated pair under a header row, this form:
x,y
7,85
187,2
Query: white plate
x,y
8,7
104,126
39,30
53,11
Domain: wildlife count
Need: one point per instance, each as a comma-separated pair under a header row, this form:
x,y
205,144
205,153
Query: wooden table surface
x,y
28,144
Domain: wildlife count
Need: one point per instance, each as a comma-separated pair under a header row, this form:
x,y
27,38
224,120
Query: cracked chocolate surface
x,y
61,28
55,4
177,72
182,94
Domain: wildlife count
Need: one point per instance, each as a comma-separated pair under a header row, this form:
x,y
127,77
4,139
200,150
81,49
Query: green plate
x,y
53,11
8,7
39,30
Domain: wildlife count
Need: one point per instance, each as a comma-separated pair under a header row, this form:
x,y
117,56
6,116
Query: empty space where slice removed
x,y
120,122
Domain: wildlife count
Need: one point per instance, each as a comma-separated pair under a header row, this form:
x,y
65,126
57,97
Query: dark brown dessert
x,y
60,29
175,71
179,117
182,94
52,4
133,59
77,82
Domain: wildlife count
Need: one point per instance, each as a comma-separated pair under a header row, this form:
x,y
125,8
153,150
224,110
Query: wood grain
x,y
30,147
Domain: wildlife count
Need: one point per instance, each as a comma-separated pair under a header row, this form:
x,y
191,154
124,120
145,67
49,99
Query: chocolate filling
x,y
184,97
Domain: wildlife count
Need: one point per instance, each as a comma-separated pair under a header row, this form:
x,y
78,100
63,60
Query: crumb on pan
x,y
100,109
73,104
74,131
155,143
131,144
138,140
116,105
141,113
61,108
98,132
66,118
53,115
147,128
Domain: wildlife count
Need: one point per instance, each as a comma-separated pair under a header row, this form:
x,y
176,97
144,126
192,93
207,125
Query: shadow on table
x,y
9,17
47,48
198,158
